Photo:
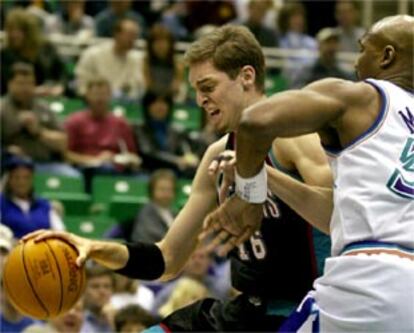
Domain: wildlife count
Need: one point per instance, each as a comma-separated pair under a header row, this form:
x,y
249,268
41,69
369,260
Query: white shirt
x,y
125,73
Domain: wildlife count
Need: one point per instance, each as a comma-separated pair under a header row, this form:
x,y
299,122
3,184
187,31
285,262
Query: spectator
x,y
11,320
186,291
72,20
292,27
163,72
24,43
128,291
133,319
118,10
161,144
68,322
257,10
347,16
115,61
91,145
29,128
97,295
174,17
20,209
155,218
326,64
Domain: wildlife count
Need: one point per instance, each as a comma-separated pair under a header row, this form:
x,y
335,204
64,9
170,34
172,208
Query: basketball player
x,y
368,130
274,268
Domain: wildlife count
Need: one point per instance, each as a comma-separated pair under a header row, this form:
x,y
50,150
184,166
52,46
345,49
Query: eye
x,y
207,89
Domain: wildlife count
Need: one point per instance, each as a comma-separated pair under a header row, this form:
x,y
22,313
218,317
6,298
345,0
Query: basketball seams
x,y
81,273
27,276
60,277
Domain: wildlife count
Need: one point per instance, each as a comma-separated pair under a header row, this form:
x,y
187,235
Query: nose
x,y
201,100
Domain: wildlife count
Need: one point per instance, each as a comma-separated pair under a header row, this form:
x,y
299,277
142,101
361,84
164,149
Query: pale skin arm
x,y
55,140
178,244
312,198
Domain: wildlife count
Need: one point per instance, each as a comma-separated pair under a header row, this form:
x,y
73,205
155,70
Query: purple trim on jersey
x,y
302,315
377,122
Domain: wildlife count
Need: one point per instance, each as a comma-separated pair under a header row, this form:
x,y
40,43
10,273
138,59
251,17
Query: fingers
x,y
221,238
33,234
213,167
83,255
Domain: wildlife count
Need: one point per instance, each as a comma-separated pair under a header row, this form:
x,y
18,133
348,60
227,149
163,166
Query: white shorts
x,y
362,293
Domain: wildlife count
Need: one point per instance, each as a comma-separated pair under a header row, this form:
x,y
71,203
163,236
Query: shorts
x,y
241,314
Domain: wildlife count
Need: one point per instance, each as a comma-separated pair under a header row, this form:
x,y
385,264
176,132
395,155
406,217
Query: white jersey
x,y
374,177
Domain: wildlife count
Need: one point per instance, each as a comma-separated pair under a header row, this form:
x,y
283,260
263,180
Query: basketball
x,y
41,279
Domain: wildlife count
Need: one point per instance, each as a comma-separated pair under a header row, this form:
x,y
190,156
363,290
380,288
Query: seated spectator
x,y
28,127
133,319
115,61
20,209
118,9
98,140
128,291
24,43
326,64
186,291
98,292
71,20
163,72
349,33
68,322
161,144
156,217
198,268
292,27
11,320
257,10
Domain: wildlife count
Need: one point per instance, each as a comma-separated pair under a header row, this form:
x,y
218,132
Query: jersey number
x,y
258,247
397,183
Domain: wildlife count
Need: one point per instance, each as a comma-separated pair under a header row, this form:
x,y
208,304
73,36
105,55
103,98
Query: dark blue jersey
x,y
278,261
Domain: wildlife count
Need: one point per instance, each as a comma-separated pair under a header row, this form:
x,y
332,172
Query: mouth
x,y
214,114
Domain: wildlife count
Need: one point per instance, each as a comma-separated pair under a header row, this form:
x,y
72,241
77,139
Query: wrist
x,y
252,189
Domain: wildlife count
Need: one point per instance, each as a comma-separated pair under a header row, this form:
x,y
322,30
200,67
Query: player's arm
x,y
312,198
165,259
286,114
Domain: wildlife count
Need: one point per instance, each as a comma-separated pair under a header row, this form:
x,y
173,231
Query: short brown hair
x,y
230,48
286,12
96,270
98,81
21,68
133,314
158,175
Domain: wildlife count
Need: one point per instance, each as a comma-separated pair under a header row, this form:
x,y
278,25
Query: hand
x,y
106,156
231,224
29,121
224,163
82,245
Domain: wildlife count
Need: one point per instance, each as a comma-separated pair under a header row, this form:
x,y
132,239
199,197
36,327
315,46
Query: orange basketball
x,y
42,279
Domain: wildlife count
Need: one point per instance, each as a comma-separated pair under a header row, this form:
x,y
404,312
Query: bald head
x,y
387,51
395,30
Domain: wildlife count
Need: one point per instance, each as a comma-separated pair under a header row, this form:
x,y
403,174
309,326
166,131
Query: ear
x,y
248,76
388,56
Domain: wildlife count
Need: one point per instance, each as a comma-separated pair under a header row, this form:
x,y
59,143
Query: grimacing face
x,y
218,95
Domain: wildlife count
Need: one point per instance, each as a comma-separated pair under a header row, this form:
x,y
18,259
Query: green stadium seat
x,y
105,187
90,226
63,107
188,117
132,112
125,208
275,84
68,190
183,192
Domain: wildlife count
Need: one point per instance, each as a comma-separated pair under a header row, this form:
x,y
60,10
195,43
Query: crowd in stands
x,y
129,122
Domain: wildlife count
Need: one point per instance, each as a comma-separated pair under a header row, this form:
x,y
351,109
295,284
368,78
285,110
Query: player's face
x,y
220,97
365,65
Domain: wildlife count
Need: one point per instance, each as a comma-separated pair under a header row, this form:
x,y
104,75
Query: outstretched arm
x,y
287,114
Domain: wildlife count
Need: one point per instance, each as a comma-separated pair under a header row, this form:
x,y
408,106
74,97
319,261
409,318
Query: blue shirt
x,y
92,324
20,222
10,327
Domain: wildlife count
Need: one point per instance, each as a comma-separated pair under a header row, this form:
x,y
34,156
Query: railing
x,y
275,57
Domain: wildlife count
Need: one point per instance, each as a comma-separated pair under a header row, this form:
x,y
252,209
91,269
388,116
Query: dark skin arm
x,y
341,110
